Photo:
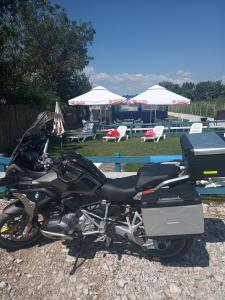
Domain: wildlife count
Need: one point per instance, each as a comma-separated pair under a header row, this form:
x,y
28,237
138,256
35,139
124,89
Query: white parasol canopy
x,y
58,128
98,96
158,95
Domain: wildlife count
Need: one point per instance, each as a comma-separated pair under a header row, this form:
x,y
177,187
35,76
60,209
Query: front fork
x,y
29,209
23,205
29,226
29,206
15,209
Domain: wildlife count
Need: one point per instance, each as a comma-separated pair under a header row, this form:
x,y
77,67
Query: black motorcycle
x,y
70,198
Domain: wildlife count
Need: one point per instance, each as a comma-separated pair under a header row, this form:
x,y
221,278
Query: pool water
x,y
4,160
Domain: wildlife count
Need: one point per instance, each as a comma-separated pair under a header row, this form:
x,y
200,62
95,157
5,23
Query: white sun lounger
x,y
159,133
122,131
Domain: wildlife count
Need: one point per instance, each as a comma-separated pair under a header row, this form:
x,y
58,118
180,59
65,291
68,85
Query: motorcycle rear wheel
x,y
168,250
11,237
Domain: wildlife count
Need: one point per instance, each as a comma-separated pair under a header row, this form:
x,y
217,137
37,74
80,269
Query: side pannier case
x,y
173,211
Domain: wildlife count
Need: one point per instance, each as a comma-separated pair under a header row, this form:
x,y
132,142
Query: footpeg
x,y
101,238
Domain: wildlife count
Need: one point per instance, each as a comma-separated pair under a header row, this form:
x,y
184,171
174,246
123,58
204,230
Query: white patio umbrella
x,y
98,96
58,128
158,95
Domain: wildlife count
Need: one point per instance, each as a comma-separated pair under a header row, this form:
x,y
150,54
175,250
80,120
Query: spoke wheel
x,y
17,232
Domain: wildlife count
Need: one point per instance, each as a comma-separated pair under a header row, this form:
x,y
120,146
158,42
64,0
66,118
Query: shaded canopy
x,y
158,95
98,96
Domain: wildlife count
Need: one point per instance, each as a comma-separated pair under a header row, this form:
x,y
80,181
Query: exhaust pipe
x,y
56,236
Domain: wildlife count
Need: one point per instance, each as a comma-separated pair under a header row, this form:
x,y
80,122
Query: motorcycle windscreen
x,y
38,131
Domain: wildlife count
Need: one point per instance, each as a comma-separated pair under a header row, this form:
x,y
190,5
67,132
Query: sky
x,y
139,43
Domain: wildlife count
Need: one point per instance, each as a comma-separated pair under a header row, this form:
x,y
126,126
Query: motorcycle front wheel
x,y
15,232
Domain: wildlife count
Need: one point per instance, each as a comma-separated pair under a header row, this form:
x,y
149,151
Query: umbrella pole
x,y
91,114
105,114
61,145
100,114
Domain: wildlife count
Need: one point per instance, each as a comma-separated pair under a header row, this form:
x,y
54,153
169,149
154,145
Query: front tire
x,y
11,232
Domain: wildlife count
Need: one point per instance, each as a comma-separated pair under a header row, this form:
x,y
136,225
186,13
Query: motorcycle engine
x,y
85,224
61,226
68,225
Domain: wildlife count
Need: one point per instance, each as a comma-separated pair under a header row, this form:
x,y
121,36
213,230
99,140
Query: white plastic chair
x,y
122,131
87,132
159,133
196,128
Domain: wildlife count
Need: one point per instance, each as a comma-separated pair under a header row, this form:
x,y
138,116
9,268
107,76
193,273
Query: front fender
x,y
14,208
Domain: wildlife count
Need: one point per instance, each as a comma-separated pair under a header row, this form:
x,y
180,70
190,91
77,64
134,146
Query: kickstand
x,y
72,272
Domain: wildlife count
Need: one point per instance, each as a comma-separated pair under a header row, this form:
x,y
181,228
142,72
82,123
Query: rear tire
x,y
13,243
177,249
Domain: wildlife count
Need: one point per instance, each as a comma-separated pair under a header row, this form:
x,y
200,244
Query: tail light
x,y
147,192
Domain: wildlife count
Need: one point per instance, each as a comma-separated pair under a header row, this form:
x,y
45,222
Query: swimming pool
x,y
4,160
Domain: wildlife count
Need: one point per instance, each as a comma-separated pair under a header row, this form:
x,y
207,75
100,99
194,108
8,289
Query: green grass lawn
x,y
133,146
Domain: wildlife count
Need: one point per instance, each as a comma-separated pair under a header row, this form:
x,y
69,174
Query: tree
x,y
204,90
73,86
171,86
42,52
188,89
208,90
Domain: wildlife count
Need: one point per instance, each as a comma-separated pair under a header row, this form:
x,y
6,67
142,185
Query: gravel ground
x,y
43,272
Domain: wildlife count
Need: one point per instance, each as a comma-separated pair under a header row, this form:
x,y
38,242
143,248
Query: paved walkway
x,y
119,174
192,118
106,168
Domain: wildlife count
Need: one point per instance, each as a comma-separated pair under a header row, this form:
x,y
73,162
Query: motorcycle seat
x,y
119,189
152,174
